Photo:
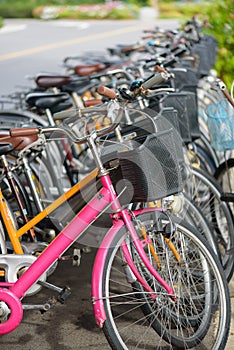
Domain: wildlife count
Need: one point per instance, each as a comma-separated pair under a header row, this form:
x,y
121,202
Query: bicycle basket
x,y
221,125
178,101
185,104
146,122
185,79
148,171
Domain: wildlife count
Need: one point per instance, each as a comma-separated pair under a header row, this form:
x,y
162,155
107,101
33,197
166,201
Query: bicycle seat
x,y
84,70
54,102
49,80
79,86
45,98
16,142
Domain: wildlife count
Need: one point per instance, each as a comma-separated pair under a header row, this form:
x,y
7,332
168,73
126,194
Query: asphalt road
x,y
28,47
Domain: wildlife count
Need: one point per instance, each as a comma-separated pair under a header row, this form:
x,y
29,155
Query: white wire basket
x,y
221,125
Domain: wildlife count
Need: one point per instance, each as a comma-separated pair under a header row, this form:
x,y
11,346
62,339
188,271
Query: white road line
x,y
69,24
12,28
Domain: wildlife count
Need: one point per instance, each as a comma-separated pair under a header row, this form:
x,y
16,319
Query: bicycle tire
x,y
13,118
225,175
206,193
192,214
22,194
21,177
206,160
130,324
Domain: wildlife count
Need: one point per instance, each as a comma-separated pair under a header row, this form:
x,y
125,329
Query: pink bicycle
x,y
155,284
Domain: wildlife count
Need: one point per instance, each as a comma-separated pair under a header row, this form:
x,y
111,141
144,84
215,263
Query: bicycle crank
x,y
16,265
11,311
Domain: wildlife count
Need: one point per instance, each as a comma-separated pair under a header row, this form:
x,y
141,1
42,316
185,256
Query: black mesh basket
x,y
185,104
184,79
147,171
204,57
140,129
171,115
211,44
192,109
178,100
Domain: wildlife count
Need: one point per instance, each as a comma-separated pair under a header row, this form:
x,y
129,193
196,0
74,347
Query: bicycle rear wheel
x,y
198,318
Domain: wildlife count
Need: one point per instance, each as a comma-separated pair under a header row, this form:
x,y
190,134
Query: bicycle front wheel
x,y
198,317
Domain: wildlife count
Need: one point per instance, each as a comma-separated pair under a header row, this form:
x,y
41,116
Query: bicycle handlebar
x,y
72,117
157,79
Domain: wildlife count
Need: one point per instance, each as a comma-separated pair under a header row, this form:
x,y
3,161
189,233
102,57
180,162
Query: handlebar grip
x,y
157,79
93,102
105,91
23,132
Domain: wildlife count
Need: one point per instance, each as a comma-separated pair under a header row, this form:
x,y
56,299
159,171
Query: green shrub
x,y
191,9
171,9
140,3
124,13
221,17
17,9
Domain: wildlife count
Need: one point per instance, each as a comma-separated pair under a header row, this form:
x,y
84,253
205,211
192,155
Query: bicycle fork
x,y
98,269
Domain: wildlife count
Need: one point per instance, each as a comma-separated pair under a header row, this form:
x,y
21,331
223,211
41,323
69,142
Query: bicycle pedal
x,y
64,294
76,257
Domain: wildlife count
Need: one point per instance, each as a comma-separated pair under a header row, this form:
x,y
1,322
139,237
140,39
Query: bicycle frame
x,y
15,235
14,291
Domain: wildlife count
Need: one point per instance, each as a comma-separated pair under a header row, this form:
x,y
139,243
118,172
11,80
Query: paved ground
x,y
70,326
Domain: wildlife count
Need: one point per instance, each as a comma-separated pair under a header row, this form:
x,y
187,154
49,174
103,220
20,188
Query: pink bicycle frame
x,y
106,196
